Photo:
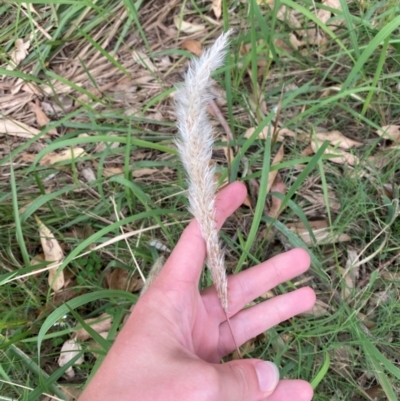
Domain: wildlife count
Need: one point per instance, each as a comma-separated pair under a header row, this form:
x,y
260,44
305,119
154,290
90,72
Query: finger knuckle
x,y
240,373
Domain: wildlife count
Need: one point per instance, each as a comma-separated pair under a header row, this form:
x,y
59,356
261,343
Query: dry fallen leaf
x,y
41,117
216,7
282,133
86,98
380,159
95,348
81,233
187,27
144,60
349,273
66,294
102,146
68,351
31,88
288,15
16,128
277,159
319,309
317,199
323,15
337,138
276,203
26,158
248,347
194,46
367,322
88,174
296,44
307,151
247,201
143,172
110,171
38,259
314,36
262,135
65,155
29,6
321,231
19,53
391,132
338,156
52,253
376,393
333,4
122,279
99,324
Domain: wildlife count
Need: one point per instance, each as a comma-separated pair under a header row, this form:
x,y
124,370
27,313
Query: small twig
x,y
382,266
96,248
383,231
217,113
221,119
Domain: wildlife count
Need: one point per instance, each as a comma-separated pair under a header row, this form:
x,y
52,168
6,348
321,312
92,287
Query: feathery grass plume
x,y
195,145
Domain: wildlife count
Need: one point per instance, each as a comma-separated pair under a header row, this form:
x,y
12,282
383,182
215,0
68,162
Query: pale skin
x,y
172,344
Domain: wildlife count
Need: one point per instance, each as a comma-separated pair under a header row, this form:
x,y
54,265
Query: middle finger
x,y
249,284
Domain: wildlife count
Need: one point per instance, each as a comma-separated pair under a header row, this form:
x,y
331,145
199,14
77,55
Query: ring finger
x,y
253,321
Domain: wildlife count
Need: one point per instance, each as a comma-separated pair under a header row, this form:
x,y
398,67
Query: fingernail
x,y
268,376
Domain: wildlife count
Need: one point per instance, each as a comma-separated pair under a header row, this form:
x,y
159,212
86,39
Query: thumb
x,y
248,379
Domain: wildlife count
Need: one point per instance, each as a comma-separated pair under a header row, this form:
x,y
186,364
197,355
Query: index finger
x,y
187,258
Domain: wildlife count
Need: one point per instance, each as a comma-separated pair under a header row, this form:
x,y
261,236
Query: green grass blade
x,y
262,194
371,350
322,372
34,368
350,27
377,75
296,242
17,220
77,302
382,379
307,13
93,333
369,50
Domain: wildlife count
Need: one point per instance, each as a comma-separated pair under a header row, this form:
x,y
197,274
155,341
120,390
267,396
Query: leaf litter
x,y
52,253
145,83
70,349
19,53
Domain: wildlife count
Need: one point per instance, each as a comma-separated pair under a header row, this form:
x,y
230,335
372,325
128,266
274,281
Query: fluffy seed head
x,y
195,145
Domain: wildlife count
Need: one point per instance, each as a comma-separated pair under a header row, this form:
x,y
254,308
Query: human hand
x,y
171,345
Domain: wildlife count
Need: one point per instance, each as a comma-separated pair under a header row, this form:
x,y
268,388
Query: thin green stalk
x,y
258,212
377,75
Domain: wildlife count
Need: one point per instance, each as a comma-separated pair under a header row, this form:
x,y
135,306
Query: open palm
x,y
171,345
